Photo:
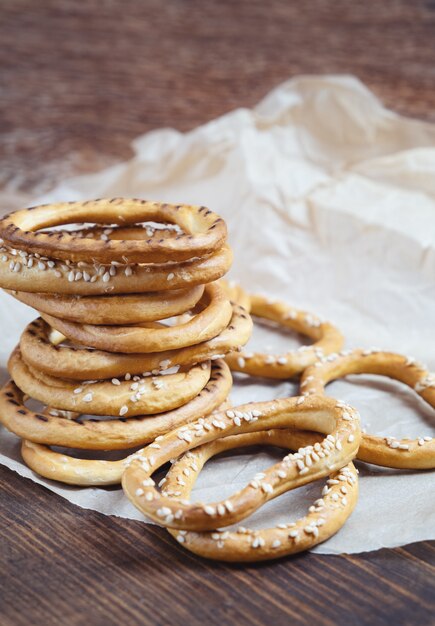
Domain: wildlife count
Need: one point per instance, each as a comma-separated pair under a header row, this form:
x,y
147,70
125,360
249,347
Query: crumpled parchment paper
x,y
330,204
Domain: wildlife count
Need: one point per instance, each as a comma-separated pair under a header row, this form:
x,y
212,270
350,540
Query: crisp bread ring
x,y
71,470
324,518
150,395
416,453
328,339
204,231
76,363
208,323
237,294
115,434
25,272
122,309
322,414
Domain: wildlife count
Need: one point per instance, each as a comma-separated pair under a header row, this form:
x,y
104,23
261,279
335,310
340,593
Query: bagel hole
x,y
256,389
272,338
116,232
387,407
214,484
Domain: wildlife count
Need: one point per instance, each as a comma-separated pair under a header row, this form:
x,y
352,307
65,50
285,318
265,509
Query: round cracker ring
x,y
65,468
338,448
53,429
147,395
236,293
123,309
416,453
204,232
328,339
37,274
208,323
324,518
40,348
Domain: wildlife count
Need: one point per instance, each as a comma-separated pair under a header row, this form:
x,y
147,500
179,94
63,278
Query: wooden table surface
x,y
80,80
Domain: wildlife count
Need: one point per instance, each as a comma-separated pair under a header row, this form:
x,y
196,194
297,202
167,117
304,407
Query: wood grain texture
x,y
80,80
63,565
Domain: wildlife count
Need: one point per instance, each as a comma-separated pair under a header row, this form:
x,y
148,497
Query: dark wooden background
x,y
80,80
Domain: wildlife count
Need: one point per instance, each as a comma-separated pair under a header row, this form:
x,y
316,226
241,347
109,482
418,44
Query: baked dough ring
x,y
22,272
324,518
337,449
204,231
123,309
385,451
214,318
71,470
236,294
148,395
85,363
328,339
115,434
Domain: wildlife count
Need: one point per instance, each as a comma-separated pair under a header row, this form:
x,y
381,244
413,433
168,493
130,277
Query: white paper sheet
x,y
330,203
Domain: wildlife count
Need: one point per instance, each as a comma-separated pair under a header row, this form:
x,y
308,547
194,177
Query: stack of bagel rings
x,y
134,324
103,345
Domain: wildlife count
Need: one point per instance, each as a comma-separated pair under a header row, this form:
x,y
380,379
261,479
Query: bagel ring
x,y
21,271
115,434
328,339
71,470
204,231
38,349
122,309
150,395
416,453
324,518
337,449
237,294
208,323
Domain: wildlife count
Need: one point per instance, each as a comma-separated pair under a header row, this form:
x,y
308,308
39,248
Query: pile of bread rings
x,y
132,351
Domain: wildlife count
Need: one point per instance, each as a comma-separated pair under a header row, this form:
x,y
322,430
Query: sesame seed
x,y
115,381
210,510
170,276
88,397
123,410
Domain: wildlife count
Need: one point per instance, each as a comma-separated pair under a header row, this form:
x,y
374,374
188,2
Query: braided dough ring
x,y
324,518
327,338
116,434
123,309
23,272
213,319
204,231
72,470
38,349
148,395
385,451
314,413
